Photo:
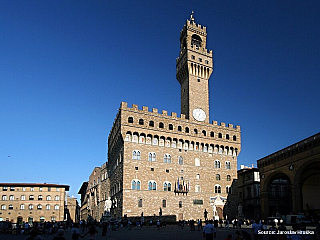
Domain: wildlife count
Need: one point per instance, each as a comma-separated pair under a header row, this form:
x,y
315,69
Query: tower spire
x,y
192,17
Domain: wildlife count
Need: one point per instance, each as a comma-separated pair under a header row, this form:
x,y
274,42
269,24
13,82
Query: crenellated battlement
x,y
196,27
173,115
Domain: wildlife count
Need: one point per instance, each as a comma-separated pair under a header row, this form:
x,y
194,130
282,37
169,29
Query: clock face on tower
x,y
199,114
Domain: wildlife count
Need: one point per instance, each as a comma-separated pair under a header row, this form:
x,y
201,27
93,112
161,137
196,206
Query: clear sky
x,y
65,66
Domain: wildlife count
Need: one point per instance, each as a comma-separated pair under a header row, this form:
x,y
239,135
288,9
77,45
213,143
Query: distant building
x,y
181,165
32,202
72,210
290,180
84,197
249,192
94,194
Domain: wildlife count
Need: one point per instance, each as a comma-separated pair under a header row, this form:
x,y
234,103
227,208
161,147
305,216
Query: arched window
x,y
234,138
167,158
220,135
136,154
10,207
3,207
30,207
48,207
141,122
57,198
151,124
130,119
170,127
204,133
180,204
227,136
198,188
48,198
161,125
217,177
40,197
133,185
217,164
196,41
228,189
179,128
228,165
39,206
56,207
152,157
212,134
180,160
228,178
195,131
217,189
152,185
187,130
22,207
166,186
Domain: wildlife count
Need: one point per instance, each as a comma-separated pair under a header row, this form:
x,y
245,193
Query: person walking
x,y
209,231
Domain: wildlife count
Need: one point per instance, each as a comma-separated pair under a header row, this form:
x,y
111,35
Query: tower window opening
x,y
193,57
161,125
151,123
198,79
130,119
196,41
179,128
141,122
187,130
170,127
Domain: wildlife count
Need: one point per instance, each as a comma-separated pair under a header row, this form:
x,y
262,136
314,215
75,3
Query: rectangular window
x,y
4,197
23,189
23,197
58,189
40,189
140,203
49,189
32,189
11,188
164,203
11,198
5,188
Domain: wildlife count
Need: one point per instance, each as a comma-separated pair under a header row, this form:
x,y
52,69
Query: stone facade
x,y
72,210
32,202
289,180
181,165
249,192
94,194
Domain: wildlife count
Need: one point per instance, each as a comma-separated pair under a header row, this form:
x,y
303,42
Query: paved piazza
x,y
173,232
169,232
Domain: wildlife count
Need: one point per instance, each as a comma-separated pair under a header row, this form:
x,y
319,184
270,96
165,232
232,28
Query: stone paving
x,y
165,233
170,232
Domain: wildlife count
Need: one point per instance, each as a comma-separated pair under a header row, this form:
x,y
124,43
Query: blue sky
x,y
65,66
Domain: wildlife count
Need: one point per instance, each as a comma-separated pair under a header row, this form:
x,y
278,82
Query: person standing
x,y
256,226
209,231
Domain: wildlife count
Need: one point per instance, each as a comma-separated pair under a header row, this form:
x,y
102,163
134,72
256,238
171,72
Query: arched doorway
x,y
279,195
310,185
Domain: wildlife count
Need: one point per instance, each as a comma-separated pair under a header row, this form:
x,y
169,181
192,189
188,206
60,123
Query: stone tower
x,y
194,67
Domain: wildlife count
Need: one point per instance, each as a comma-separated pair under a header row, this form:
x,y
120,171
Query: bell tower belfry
x,y
194,67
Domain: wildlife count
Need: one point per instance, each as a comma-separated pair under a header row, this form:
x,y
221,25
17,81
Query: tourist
x,y
209,231
75,232
92,231
34,235
60,235
256,226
